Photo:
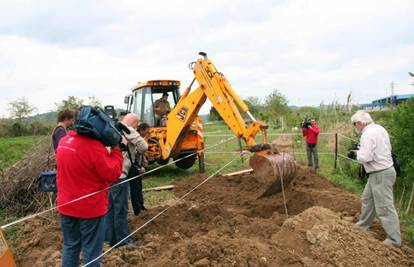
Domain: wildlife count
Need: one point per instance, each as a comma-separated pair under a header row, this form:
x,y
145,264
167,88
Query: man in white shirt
x,y
378,198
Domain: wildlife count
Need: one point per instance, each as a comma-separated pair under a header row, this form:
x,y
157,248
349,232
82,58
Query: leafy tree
x,y
95,102
214,115
276,104
276,109
71,102
255,106
402,132
308,112
20,109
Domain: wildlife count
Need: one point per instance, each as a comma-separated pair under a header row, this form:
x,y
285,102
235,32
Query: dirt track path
x,y
222,224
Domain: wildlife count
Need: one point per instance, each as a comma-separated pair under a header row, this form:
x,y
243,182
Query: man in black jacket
x,y
137,198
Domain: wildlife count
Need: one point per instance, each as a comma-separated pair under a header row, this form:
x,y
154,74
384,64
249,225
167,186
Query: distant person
x,y
84,166
66,118
137,197
161,108
378,198
311,130
117,218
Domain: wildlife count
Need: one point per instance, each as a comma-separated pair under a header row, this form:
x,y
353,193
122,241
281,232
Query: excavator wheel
x,y
163,161
187,162
273,171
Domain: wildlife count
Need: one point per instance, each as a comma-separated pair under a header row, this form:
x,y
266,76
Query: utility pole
x,y
392,95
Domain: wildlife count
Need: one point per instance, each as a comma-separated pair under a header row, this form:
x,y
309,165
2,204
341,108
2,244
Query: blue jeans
x,y
85,234
117,218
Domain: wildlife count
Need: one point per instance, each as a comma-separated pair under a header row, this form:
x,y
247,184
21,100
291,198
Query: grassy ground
x,y
12,149
345,175
218,156
12,231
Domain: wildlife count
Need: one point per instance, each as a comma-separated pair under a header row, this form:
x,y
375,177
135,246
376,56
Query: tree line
x,y
22,122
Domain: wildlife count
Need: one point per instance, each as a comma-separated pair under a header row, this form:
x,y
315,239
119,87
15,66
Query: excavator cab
x,y
146,95
153,101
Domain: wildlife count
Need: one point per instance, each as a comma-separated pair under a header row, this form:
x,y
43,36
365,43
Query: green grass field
x,y
13,149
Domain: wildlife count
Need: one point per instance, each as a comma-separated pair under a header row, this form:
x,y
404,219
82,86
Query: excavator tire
x,y
187,162
163,161
274,172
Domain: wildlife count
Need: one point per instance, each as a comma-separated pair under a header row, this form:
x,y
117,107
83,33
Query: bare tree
x,y
72,102
20,109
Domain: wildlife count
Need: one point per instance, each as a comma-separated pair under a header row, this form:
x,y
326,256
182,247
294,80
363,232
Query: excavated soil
x,y
223,224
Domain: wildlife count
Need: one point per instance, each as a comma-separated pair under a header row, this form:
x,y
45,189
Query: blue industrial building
x,y
386,102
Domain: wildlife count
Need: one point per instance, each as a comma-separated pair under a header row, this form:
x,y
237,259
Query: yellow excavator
x,y
178,134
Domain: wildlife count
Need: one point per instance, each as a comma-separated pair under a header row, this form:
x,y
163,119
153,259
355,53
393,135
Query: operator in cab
x,y
161,108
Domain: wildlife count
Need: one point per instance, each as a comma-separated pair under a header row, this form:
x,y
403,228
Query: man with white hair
x,y
375,154
117,217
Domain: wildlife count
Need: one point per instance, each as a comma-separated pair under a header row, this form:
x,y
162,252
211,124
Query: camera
x,y
113,115
306,123
351,154
111,112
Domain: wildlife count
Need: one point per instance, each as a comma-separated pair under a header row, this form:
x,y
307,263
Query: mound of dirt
x,y
320,237
223,224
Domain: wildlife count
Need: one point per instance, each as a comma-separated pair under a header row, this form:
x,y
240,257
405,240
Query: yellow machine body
x,y
182,135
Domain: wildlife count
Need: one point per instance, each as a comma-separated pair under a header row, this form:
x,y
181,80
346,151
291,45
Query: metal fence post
x,y
336,150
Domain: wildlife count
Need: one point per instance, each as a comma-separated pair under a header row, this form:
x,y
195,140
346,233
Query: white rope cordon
x,y
227,152
345,157
107,188
159,214
319,153
347,137
270,134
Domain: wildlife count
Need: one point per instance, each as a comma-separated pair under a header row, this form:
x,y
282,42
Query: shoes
x,y
389,242
136,213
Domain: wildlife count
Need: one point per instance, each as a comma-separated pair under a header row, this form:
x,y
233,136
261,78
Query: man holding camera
x,y
311,130
84,166
375,154
117,218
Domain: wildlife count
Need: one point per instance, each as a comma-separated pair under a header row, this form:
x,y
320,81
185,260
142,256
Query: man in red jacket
x,y
311,131
84,166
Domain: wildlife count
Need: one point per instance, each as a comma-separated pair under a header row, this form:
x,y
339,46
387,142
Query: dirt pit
x,y
223,224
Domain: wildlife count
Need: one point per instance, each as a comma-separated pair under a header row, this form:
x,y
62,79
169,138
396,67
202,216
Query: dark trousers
x,y
117,218
312,151
135,186
137,197
85,234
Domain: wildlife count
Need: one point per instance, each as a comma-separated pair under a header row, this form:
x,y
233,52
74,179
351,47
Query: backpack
x,y
397,165
94,123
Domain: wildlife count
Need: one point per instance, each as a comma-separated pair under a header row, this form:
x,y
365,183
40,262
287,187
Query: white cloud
x,y
311,51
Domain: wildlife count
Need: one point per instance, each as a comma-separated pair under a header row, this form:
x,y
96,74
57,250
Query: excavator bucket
x,y
273,171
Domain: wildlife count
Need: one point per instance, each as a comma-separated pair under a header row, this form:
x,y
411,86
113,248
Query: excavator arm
x,y
267,162
227,103
214,86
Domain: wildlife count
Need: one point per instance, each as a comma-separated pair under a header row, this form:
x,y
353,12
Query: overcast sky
x,y
311,51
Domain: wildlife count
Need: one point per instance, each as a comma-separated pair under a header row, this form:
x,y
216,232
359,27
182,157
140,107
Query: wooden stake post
x,y
6,256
